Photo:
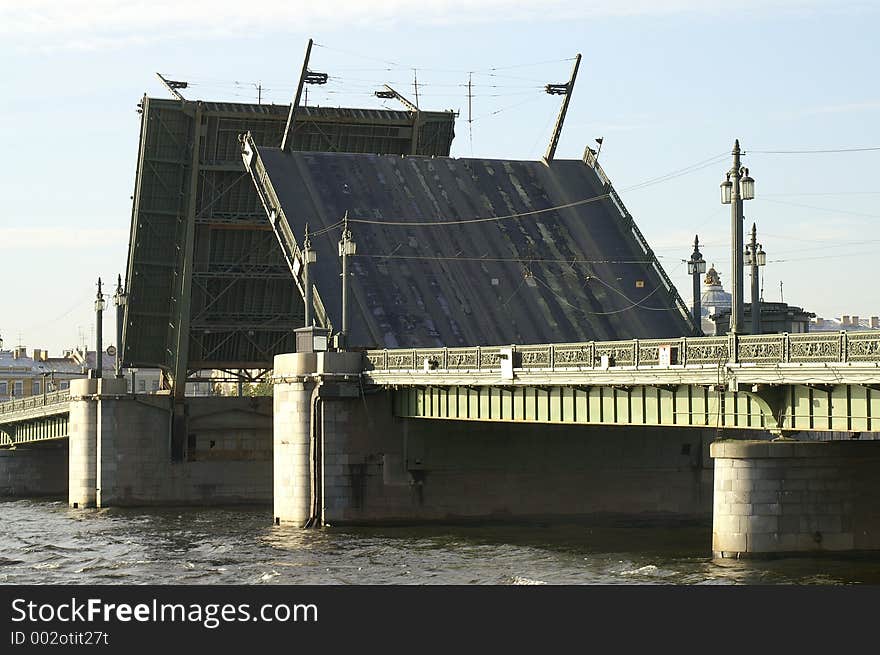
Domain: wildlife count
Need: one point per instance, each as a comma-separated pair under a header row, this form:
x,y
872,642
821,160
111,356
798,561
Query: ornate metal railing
x,y
34,402
836,347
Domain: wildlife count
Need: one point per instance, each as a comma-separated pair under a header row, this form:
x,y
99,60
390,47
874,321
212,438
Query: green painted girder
x,y
791,408
43,428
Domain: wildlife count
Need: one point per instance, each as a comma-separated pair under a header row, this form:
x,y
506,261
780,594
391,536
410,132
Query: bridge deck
x,y
35,418
778,382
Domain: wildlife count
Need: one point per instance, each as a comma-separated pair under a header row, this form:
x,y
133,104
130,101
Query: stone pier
x,y
121,452
303,385
34,470
785,496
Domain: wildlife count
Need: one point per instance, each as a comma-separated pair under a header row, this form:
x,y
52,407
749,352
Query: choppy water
x,y
45,542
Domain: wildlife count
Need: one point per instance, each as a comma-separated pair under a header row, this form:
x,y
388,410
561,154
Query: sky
x,y
667,84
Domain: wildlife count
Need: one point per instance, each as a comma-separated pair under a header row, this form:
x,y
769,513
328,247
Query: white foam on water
x,y
522,580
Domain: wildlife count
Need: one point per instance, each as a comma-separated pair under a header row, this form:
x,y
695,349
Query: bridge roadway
x,y
35,418
782,383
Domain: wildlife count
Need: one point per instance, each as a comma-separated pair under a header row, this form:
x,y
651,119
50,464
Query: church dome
x,y
714,296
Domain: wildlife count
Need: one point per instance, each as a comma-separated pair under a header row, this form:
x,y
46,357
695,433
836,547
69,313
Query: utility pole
x,y
470,119
416,86
566,90
99,314
305,77
738,186
287,139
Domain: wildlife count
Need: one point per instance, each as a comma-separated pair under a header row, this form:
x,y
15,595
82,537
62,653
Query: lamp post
x,y
99,311
347,247
119,300
309,257
696,268
755,257
737,186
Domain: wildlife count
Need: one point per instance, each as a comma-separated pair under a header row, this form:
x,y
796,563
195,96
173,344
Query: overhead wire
x,y
633,305
487,219
813,152
516,260
832,210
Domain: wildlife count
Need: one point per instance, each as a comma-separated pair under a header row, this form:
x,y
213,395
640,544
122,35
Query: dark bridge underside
x,y
570,274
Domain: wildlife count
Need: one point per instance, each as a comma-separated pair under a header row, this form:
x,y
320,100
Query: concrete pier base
x,y
303,383
83,430
121,451
783,497
34,470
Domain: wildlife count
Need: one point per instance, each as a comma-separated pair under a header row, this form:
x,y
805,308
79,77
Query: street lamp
x,y
347,248
736,187
99,313
119,299
696,268
755,256
309,257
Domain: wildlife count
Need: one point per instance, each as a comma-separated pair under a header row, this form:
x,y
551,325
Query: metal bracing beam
x,y
173,86
399,96
287,139
416,113
184,281
560,119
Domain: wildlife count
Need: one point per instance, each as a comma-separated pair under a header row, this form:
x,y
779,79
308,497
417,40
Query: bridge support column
x,y
83,431
113,424
302,381
786,496
94,427
295,383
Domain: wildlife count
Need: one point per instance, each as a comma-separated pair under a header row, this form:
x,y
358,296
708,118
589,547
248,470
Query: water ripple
x,y
45,542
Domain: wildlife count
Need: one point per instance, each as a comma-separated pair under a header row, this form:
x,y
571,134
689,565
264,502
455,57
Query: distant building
x,y
847,323
713,301
775,316
24,374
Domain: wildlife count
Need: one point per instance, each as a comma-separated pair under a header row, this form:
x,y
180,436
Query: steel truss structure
x,y
207,285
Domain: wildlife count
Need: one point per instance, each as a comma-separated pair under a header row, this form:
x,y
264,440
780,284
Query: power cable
x,y
438,223
812,152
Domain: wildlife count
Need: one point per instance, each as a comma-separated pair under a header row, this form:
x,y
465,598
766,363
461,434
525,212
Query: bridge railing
x,y
831,347
34,402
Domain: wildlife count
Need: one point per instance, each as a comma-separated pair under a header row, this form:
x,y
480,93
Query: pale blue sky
x,y
668,84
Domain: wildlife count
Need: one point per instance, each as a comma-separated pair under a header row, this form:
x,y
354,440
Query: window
x,y
155,385
142,385
35,389
18,388
4,388
65,384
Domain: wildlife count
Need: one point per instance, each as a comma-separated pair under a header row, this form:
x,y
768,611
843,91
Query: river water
x,y
42,541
